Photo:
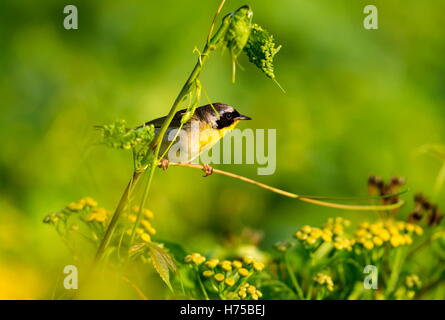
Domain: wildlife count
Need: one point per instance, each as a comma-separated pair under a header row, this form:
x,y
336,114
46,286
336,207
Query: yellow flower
x,y
145,237
324,280
148,214
413,281
247,260
384,234
197,258
230,281
369,245
259,293
132,218
251,289
243,272
75,206
418,230
410,227
375,229
408,239
316,233
327,237
208,273
242,293
212,263
97,215
89,202
364,225
258,266
237,264
301,235
226,265
147,225
393,230
311,240
361,233
377,241
395,241
401,239
338,229
254,296
306,229
219,277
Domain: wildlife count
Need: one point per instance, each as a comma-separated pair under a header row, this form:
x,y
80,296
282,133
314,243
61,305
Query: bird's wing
x,y
176,121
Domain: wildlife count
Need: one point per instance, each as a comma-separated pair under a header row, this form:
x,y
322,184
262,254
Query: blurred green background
x,y
357,102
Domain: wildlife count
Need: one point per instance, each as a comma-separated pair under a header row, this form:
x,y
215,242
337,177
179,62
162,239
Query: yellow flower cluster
x,y
333,230
194,258
396,233
97,215
343,243
247,291
324,280
413,282
283,246
146,231
82,204
226,274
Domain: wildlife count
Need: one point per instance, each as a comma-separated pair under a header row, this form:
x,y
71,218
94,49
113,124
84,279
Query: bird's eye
x,y
229,116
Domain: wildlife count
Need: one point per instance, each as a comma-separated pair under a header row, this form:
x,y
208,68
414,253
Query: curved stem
x,y
294,195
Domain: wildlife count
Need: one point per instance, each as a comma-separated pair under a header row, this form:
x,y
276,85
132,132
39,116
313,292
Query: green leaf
x,y
162,262
238,34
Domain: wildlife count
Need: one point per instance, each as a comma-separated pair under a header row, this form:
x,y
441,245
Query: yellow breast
x,y
209,137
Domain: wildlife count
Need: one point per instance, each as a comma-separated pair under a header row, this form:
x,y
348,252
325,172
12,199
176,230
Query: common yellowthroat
x,y
206,127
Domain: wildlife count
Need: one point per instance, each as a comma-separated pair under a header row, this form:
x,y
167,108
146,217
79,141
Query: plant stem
x,y
156,143
211,45
297,287
120,207
294,195
201,285
394,277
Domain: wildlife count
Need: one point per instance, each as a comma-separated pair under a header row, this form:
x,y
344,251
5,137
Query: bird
x,y
203,130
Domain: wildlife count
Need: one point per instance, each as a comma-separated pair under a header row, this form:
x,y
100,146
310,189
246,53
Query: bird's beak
x,y
241,117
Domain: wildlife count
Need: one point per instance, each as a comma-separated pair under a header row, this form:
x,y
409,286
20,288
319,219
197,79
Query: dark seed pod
x,y
419,198
397,181
415,216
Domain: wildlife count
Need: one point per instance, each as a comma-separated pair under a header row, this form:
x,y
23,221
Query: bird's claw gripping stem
x,y
208,170
163,164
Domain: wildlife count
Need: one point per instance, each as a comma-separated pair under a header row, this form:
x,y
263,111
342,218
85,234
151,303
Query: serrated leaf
x,y
162,262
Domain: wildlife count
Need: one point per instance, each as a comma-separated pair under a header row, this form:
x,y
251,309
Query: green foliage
x,y
162,261
118,136
238,33
261,50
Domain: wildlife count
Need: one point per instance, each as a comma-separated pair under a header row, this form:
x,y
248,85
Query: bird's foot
x,y
163,164
208,170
